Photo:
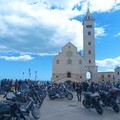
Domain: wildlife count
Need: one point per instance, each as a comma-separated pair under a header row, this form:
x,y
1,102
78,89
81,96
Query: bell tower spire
x,y
89,43
89,39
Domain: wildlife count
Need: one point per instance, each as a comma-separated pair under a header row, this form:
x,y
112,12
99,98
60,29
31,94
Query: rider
x,y
79,90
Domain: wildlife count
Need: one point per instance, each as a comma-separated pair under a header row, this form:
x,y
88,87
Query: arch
x,y
69,61
102,77
57,61
88,75
69,75
80,61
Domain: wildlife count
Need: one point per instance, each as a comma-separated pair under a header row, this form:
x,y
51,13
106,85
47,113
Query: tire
x,y
115,106
69,96
85,104
35,112
99,109
27,117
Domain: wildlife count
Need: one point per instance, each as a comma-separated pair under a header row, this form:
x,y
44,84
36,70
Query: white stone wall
x,y
106,76
89,39
61,68
90,66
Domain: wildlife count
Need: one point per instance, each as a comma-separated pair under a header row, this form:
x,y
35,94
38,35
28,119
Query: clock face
x,y
69,53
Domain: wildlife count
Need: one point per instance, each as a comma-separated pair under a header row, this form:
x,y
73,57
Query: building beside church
x,y
70,65
110,76
106,77
117,74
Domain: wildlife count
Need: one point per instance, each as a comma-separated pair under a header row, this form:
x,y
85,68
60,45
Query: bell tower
x,y
89,45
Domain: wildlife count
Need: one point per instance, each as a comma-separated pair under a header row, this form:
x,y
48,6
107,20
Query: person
x,y
79,91
3,82
92,87
85,86
16,84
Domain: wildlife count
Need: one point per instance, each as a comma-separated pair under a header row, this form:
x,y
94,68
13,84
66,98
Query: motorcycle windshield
x,y
24,87
10,96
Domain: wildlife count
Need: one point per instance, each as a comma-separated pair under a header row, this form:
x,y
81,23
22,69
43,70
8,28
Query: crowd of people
x,y
14,85
8,85
94,87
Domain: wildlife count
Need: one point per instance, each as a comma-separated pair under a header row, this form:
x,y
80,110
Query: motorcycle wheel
x,y
84,102
69,96
99,109
27,117
115,107
35,112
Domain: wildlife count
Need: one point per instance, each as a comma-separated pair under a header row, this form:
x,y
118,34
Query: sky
x,y
32,32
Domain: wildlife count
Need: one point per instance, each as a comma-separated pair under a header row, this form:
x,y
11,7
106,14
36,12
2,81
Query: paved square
x,y
63,109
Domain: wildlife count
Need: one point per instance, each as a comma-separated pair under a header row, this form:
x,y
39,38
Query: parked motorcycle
x,y
109,100
57,93
115,94
29,105
11,111
91,101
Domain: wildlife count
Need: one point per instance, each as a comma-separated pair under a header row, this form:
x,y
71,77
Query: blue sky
x,y
32,32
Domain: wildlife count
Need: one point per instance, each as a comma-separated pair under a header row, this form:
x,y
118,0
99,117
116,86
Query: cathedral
x,y
71,65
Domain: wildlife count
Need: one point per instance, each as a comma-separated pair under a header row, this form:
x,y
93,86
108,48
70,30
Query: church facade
x,y
70,65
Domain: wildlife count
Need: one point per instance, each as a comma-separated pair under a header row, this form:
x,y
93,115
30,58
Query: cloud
x,y
44,26
110,5
108,64
17,58
118,34
100,31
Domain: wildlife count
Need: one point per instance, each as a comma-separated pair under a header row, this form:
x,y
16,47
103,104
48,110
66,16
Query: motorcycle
x,y
91,101
38,95
29,105
115,94
53,93
11,111
109,100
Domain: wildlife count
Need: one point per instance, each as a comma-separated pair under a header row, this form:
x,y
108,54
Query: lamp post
x,y
23,75
35,75
29,73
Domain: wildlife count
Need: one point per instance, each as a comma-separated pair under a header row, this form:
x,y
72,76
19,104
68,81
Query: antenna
x,y
88,5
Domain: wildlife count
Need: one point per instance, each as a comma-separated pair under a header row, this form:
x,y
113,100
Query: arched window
x,y
88,75
89,52
89,61
69,61
89,43
68,75
57,61
89,33
102,76
109,75
80,61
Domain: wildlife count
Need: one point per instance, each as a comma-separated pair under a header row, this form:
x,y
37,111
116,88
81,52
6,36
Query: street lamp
x,y
35,75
